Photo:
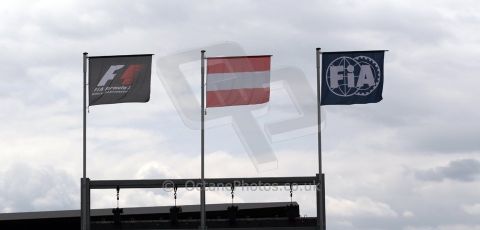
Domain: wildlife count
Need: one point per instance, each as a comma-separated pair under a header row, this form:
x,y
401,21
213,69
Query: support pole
x,y
320,187
84,183
202,189
323,201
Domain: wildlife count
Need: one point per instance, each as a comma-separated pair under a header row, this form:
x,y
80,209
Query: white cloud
x,y
371,152
408,214
473,209
446,227
359,207
36,188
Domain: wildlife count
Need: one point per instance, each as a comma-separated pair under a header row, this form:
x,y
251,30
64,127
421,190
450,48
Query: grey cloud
x,y
447,138
460,170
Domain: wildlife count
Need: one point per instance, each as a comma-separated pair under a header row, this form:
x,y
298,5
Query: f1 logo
x,y
127,78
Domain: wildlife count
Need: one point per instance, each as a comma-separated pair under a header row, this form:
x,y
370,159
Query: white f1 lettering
x,y
109,75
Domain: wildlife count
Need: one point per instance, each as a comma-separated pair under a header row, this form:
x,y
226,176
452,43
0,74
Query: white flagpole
x,y
202,190
321,219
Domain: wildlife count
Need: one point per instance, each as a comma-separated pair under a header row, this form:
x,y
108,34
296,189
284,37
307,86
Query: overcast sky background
x,y
410,162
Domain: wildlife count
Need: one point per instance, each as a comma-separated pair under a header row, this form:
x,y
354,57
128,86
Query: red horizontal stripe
x,y
238,64
221,98
249,56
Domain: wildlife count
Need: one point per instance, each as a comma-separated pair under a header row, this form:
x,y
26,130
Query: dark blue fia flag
x,y
352,77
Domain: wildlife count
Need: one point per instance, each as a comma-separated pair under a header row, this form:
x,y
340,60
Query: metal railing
x,y
88,185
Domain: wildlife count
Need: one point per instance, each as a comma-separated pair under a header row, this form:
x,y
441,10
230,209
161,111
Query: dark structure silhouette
x,y
282,215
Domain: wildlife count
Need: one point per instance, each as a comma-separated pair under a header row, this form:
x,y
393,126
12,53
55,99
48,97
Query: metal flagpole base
x,y
203,213
85,204
320,202
324,217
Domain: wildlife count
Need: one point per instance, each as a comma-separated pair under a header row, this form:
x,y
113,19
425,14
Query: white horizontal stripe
x,y
240,80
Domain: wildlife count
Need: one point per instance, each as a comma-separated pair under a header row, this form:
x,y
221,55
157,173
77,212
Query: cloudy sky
x,y
411,162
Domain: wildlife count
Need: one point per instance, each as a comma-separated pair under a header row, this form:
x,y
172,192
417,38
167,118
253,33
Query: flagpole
x,y
83,196
85,56
202,189
321,219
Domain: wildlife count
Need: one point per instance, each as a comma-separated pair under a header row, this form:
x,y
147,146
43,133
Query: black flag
x,y
352,77
119,79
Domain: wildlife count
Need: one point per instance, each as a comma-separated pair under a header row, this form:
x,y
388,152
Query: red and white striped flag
x,y
243,80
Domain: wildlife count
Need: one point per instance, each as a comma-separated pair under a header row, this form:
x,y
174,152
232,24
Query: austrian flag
x,y
243,80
